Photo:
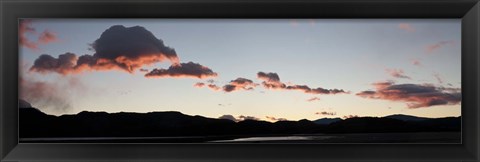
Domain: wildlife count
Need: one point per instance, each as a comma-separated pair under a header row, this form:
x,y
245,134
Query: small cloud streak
x,y
433,47
272,81
407,27
414,95
325,113
183,70
397,73
439,79
416,62
313,99
47,37
234,85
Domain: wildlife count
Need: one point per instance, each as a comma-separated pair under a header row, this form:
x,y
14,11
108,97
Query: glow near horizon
x,y
345,54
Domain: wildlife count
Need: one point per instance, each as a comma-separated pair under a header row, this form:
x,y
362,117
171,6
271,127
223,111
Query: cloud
x,y
407,27
414,95
47,37
433,47
25,27
272,81
274,119
233,85
56,96
416,62
325,113
64,64
183,70
397,73
239,84
119,48
313,99
199,85
439,79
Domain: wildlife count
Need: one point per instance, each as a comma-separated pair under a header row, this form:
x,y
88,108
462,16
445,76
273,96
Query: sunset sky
x,y
266,69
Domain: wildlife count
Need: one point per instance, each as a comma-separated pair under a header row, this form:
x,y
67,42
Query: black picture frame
x,y
12,10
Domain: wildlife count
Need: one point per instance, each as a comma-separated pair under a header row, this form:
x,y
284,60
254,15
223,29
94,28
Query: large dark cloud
x,y
64,64
414,95
127,49
272,81
190,69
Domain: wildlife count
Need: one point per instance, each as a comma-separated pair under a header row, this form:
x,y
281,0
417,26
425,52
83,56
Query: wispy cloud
x,y
313,99
325,113
433,47
25,28
272,81
407,27
414,95
397,73
416,62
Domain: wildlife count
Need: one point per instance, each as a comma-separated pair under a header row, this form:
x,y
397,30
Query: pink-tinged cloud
x,y
25,28
274,119
272,81
416,62
239,84
397,73
350,116
433,47
407,27
325,113
233,85
47,37
56,95
199,85
183,70
118,48
313,99
414,95
124,49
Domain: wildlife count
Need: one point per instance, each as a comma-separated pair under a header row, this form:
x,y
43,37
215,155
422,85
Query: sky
x,y
265,69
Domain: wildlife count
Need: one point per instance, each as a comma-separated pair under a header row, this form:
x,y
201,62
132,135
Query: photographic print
x,y
240,81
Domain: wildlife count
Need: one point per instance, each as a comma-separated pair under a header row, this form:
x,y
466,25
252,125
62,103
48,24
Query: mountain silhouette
x,y
326,121
406,117
35,124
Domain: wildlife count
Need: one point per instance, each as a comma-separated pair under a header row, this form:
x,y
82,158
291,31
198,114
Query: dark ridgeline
x,y
36,124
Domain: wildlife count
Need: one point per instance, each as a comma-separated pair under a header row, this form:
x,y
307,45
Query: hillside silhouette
x,y
35,124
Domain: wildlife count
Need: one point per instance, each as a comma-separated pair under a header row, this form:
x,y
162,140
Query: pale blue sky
x,y
347,54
